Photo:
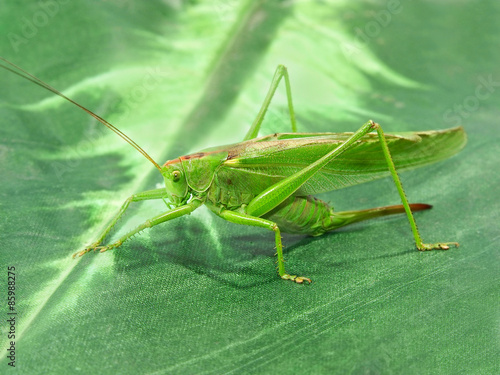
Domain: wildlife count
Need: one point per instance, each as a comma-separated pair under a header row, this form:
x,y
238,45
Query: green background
x,y
199,295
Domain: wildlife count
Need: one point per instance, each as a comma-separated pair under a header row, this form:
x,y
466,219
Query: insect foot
x,y
83,252
93,247
437,246
297,279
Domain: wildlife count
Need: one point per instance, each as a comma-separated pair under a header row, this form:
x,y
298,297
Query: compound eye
x,y
176,175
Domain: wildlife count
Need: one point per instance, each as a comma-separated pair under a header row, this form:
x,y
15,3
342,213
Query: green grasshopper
x,y
267,182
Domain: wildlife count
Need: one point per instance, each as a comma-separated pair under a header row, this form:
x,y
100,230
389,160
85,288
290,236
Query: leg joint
x,y
374,125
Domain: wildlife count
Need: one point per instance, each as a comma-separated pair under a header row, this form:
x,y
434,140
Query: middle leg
x,y
244,219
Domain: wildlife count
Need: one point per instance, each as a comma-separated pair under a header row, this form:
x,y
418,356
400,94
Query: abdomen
x,y
302,215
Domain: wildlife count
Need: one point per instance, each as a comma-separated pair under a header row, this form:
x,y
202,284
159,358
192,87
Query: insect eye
x,y
176,175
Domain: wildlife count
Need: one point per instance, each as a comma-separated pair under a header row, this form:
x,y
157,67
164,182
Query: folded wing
x,y
266,160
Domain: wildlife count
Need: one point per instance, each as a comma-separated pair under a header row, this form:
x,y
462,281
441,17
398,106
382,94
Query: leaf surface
x,y
199,295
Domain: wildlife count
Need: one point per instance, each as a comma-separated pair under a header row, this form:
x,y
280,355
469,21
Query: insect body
x,y
268,182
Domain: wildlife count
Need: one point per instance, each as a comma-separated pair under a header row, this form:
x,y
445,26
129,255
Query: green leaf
x,y
199,295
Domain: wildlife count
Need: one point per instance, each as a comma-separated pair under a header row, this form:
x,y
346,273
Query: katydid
x,y
268,182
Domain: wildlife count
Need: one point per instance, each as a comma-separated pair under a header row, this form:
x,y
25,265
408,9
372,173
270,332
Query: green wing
x,y
261,162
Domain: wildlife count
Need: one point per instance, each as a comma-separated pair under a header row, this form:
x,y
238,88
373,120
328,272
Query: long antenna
x,y
23,73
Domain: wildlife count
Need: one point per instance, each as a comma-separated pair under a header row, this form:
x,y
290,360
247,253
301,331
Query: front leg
x,y
166,216
244,219
145,195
